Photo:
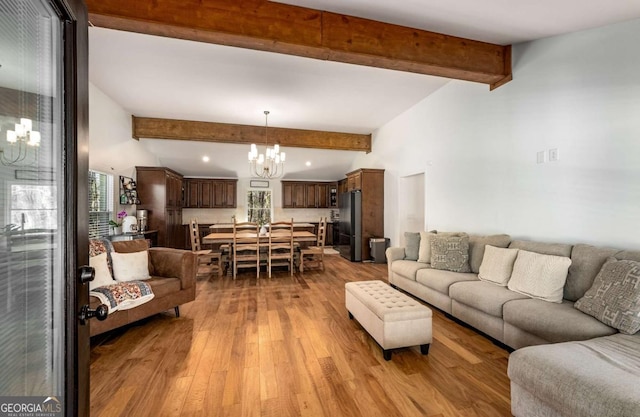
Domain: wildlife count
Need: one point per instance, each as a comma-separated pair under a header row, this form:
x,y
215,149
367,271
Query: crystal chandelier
x,y
271,165
20,142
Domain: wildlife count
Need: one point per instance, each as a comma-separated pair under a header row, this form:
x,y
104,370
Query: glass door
x,y
38,229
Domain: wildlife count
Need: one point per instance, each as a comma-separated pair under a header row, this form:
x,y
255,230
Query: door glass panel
x,y
32,185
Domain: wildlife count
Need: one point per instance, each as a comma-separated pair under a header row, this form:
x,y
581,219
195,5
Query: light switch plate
x,y
554,155
540,157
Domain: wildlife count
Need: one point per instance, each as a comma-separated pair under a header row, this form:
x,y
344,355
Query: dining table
x,y
303,238
225,237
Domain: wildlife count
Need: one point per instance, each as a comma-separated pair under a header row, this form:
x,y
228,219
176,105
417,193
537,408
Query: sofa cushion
x,y
553,322
407,269
614,298
440,280
497,265
586,262
589,378
539,276
477,244
484,296
424,252
629,255
411,246
162,287
450,252
557,249
129,246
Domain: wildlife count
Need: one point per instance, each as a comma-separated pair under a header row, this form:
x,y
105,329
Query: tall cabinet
x,y
161,192
371,183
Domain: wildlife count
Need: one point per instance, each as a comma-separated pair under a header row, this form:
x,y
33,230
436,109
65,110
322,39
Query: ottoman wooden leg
x,y
424,349
386,354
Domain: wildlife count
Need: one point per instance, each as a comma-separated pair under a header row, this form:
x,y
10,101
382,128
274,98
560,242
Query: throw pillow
x,y
96,247
130,266
497,264
411,246
477,244
424,252
450,252
102,274
539,276
614,297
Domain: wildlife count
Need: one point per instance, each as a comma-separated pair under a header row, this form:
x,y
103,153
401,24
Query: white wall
x,y
579,93
112,150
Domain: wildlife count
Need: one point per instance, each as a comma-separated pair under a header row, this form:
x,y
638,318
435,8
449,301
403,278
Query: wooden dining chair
x,y
246,247
280,249
314,255
209,262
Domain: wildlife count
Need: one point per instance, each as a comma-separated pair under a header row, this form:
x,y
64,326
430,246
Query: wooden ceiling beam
x,y
152,128
300,31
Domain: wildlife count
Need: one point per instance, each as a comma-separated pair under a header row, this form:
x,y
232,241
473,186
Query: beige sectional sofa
x,y
591,349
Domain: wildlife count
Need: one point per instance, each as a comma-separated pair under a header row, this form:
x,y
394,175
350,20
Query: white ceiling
x,y
170,78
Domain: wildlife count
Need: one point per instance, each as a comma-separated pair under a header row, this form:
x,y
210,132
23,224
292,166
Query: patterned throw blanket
x,y
123,295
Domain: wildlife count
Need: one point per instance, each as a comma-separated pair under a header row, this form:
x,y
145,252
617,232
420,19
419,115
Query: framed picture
x,y
259,184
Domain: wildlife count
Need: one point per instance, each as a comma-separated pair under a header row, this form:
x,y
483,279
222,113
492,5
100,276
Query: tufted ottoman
x,y
393,319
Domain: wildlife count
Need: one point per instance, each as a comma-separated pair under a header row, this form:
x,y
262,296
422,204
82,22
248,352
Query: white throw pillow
x,y
130,266
103,275
497,264
539,276
424,252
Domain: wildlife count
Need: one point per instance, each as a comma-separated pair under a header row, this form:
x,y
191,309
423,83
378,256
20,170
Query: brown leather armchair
x,y
173,281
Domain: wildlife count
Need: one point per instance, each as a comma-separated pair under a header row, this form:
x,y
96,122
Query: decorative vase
x,y
263,230
117,230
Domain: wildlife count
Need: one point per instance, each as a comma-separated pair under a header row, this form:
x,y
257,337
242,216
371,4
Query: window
x,y
100,203
259,207
33,206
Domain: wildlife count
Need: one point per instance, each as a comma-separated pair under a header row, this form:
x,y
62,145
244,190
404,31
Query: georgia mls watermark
x,y
31,407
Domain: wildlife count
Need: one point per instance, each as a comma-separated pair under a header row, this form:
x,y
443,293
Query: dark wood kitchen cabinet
x,y
371,184
198,193
311,195
210,193
161,192
307,194
224,193
294,195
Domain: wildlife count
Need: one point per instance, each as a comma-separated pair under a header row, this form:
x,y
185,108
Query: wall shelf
x,y
128,191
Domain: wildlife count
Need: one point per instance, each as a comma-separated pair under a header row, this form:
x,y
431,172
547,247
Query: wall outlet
x,y
554,155
540,157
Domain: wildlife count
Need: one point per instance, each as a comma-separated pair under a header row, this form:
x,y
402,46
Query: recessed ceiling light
x,y
205,158
308,163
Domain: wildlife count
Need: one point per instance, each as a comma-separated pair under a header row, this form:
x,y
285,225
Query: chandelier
x,y
271,163
20,142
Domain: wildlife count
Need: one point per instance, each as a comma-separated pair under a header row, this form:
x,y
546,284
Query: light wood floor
x,y
285,347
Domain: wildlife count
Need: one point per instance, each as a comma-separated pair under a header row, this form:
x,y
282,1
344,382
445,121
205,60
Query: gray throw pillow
x,y
424,252
614,297
450,252
411,246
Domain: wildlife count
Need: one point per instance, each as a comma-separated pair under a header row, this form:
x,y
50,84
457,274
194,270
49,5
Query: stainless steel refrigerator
x,y
350,240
